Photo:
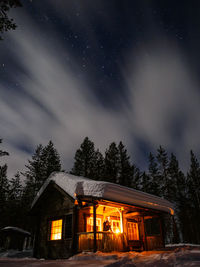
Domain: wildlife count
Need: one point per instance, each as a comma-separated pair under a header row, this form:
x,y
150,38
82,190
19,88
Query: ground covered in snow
x,y
184,255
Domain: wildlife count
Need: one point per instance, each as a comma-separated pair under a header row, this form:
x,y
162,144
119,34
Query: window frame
x,y
97,218
49,228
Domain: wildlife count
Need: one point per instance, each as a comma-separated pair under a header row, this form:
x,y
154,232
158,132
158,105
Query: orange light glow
x,y
56,230
117,231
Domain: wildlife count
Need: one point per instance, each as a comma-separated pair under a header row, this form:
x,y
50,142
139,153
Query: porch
x,y
112,227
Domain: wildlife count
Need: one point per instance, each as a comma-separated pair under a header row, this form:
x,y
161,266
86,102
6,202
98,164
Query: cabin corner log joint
x,y
77,214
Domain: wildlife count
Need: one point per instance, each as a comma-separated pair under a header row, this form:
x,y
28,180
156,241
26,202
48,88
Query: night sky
x,y
110,70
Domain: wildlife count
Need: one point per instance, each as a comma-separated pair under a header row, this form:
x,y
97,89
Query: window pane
x,y
68,226
56,230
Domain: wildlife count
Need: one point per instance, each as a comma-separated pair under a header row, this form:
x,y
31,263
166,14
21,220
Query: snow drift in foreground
x,y
180,256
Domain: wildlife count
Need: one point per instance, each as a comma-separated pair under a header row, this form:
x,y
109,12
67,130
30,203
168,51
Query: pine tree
x,y
125,176
84,157
44,161
3,194
98,166
51,160
136,182
154,186
145,183
35,174
178,197
194,180
112,164
164,181
15,207
3,189
193,193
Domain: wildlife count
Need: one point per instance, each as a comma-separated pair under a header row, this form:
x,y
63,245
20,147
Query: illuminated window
x,y
116,226
90,224
133,233
56,230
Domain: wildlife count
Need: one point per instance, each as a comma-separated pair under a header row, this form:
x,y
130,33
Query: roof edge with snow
x,y
81,186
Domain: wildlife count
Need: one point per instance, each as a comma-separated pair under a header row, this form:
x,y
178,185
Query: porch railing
x,y
106,241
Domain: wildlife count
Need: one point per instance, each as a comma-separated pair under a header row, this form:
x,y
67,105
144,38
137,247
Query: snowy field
x,y
184,255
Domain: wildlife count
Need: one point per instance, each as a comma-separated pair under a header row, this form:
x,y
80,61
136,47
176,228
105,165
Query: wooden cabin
x,y
74,214
14,238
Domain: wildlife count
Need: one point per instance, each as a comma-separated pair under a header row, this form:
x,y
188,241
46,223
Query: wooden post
x,y
145,236
175,232
94,228
162,230
36,245
121,220
75,240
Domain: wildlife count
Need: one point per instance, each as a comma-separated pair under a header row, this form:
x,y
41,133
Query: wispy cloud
x,y
52,102
164,98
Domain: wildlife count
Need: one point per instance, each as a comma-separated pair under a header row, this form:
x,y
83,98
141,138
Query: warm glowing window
x,y
133,233
56,230
90,224
116,226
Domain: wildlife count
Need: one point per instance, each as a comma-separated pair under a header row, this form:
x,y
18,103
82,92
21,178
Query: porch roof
x,y
81,186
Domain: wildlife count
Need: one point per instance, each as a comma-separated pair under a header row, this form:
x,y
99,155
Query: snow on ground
x,y
179,256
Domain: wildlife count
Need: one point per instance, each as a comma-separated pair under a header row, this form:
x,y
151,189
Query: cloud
x,y
164,99
51,103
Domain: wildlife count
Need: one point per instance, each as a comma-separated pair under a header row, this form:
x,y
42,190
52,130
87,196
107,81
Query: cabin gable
x,y
54,225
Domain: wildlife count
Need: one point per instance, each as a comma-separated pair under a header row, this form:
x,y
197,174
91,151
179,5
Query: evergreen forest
x,y
163,178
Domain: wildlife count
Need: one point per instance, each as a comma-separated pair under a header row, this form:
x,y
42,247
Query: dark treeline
x,y
17,193
163,178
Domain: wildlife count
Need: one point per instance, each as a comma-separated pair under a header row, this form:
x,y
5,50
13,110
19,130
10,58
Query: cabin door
x,y
133,233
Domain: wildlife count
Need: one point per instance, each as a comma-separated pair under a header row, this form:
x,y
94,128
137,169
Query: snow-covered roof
x,y
81,186
15,229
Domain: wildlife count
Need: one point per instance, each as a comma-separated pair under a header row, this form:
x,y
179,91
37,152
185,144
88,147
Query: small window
x,y
68,226
116,226
152,226
90,224
56,230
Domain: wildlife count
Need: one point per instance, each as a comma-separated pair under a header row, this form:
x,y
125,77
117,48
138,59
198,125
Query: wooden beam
x,y
74,229
162,230
94,227
144,235
36,243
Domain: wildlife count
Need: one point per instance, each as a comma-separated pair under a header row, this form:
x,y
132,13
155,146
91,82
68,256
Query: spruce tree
x,y
51,160
163,177
98,166
112,164
178,198
136,182
15,205
154,185
44,161
193,193
4,187
125,176
194,180
145,183
84,157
